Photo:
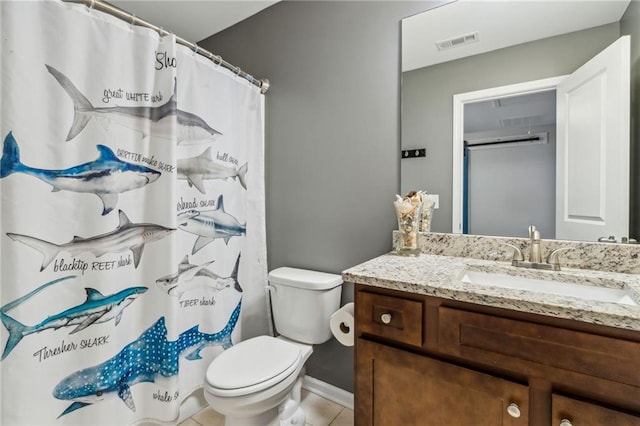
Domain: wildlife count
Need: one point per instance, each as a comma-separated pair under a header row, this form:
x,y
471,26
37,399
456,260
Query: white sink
x,y
588,292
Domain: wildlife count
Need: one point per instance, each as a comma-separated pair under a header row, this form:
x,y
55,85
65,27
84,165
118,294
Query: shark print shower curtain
x,y
132,220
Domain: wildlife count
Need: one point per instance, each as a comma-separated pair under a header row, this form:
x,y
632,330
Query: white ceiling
x,y
193,20
500,24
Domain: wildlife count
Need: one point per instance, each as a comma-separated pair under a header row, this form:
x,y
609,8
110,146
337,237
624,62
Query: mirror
x,y
470,46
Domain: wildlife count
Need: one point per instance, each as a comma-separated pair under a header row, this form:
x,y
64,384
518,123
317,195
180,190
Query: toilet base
x,y
269,418
297,419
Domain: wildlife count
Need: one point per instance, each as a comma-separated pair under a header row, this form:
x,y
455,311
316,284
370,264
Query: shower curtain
x,y
132,221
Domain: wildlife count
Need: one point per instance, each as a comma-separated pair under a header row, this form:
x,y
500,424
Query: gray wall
x,y
630,24
427,95
332,136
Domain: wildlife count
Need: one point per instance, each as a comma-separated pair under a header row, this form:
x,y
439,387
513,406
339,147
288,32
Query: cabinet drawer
x,y
574,412
390,317
495,339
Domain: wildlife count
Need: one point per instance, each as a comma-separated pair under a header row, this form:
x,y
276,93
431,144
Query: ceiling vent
x,y
458,41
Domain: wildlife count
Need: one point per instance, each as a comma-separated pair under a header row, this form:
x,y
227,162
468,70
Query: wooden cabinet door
x,y
396,387
580,413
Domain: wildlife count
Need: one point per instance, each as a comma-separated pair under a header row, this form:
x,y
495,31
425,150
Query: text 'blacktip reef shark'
x,y
127,236
95,309
144,360
154,120
105,177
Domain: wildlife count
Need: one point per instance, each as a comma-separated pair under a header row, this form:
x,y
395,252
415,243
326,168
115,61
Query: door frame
x,y
459,100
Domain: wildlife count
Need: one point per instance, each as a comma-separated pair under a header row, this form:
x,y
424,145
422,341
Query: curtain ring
x,y
133,21
219,58
195,49
91,5
238,71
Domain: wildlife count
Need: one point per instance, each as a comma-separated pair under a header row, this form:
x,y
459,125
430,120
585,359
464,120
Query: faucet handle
x,y
517,254
554,258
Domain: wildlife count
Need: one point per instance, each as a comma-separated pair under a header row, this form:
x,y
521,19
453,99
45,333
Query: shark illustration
x,y
149,357
209,225
195,169
127,236
95,309
182,281
156,120
105,177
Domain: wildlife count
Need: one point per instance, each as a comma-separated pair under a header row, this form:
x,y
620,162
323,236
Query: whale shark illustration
x,y
196,169
145,119
127,236
95,309
209,225
182,281
105,177
147,358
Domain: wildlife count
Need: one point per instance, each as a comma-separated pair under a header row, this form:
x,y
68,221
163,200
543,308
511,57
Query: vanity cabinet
x,y
423,360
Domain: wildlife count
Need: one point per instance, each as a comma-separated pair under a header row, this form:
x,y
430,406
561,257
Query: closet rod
x,y
263,84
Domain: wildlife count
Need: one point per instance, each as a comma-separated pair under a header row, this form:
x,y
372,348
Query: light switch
x,y
435,198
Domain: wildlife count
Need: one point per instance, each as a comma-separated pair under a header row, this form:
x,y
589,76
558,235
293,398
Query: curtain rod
x,y
263,84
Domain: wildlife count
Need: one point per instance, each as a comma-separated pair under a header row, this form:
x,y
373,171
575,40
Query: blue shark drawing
x,y
144,360
156,120
183,280
105,177
196,169
127,236
95,309
209,225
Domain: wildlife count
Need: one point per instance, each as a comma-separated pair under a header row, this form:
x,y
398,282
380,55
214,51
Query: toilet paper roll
x,y
342,324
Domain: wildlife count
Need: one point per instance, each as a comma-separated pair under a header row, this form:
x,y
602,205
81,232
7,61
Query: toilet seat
x,y
251,366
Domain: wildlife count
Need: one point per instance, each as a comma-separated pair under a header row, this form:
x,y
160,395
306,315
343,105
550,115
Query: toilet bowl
x,y
257,382
252,394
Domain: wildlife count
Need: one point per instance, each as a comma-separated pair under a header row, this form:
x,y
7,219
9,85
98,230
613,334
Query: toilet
x,y
257,382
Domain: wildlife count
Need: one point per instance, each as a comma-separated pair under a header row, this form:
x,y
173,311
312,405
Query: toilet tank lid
x,y
304,278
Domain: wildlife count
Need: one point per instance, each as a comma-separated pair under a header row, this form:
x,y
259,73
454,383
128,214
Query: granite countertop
x,y
440,276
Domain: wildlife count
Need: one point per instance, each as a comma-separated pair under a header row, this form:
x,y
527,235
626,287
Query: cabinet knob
x,y
385,318
514,411
565,422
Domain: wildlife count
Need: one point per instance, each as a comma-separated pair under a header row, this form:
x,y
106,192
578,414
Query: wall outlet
x,y
435,198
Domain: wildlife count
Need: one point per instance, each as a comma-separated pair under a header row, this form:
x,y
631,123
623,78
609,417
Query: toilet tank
x,y
302,302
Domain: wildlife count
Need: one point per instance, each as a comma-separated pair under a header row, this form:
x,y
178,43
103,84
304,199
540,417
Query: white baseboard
x,y
328,391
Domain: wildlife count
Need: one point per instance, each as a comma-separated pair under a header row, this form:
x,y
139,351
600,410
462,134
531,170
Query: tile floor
x,y
320,412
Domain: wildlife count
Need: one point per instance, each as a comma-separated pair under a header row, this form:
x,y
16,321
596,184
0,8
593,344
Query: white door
x,y
592,159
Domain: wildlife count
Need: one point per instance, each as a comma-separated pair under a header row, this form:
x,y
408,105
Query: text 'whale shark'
x,y
143,360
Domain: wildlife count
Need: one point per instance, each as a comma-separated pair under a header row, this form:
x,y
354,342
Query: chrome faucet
x,y
535,254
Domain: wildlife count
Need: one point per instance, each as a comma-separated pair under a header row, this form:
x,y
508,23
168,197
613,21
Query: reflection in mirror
x,y
507,137
515,193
